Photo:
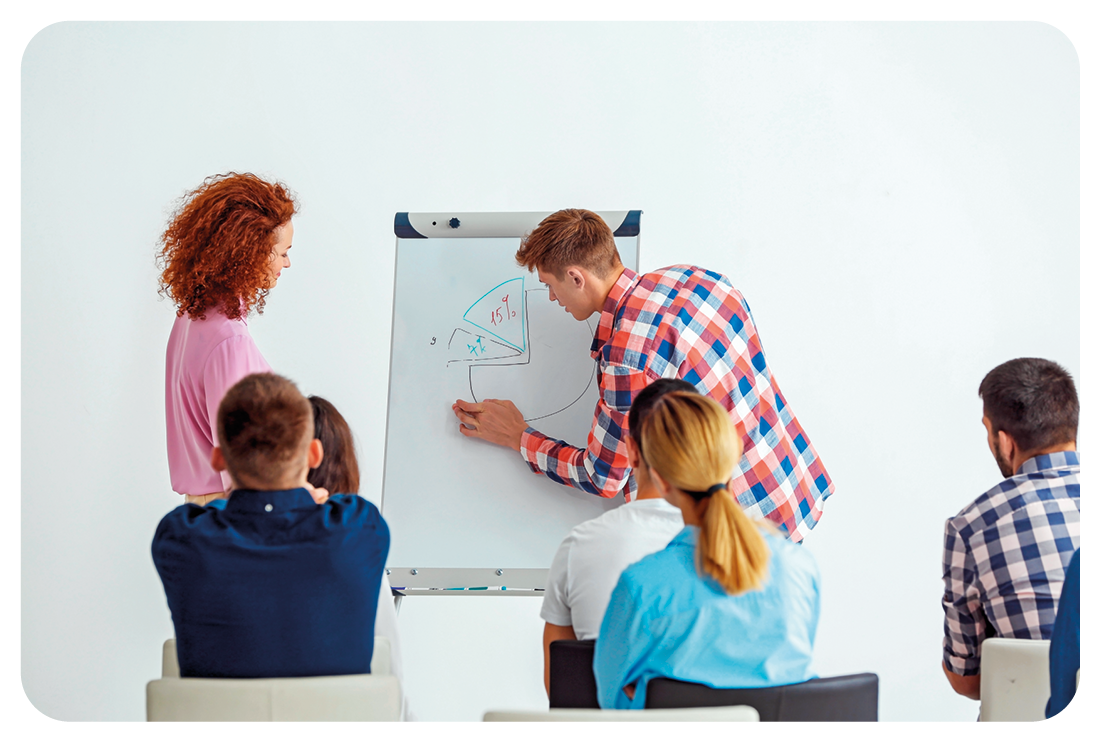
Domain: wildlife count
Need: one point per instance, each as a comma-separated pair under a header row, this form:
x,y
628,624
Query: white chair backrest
x,y
1015,680
380,658
332,698
714,713
170,666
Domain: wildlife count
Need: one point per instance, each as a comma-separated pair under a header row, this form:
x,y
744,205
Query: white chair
x,y
1015,680
714,713
374,697
380,658
333,698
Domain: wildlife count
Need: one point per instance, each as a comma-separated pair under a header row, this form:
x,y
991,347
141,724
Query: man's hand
x,y
493,420
319,494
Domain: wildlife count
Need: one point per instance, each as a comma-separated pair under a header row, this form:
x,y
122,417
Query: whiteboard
x,y
469,323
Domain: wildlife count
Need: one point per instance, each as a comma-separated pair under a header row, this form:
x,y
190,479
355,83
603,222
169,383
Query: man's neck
x,y
647,493
606,285
268,486
1021,458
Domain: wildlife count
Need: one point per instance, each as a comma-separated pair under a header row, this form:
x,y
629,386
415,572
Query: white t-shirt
x,y
588,563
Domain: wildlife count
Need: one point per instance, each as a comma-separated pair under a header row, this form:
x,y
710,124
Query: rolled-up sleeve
x,y
601,468
964,622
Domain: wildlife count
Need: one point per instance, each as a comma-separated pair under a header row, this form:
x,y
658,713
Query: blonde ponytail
x,y
731,548
691,442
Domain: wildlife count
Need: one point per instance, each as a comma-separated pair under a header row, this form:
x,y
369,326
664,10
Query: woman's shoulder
x,y
660,569
794,561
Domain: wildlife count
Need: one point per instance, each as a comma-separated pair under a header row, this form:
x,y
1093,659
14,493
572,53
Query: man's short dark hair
x,y
645,401
1034,401
264,424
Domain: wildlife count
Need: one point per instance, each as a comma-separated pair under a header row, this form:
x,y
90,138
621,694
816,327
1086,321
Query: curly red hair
x,y
216,250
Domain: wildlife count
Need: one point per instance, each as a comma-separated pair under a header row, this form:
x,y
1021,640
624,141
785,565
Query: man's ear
x,y
217,460
1007,445
576,276
316,453
662,486
634,460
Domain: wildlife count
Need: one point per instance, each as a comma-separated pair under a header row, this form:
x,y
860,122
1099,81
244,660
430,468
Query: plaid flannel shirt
x,y
1005,556
690,323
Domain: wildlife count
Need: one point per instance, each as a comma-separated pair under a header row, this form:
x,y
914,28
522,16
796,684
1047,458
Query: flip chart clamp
x,y
445,581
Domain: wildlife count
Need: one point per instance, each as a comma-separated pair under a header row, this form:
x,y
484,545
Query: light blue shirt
x,y
665,620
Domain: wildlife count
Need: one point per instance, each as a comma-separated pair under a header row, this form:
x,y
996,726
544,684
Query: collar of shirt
x,y
652,503
623,284
271,501
1057,460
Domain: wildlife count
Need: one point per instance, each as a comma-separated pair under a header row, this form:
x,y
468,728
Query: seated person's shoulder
x,y
353,509
795,561
187,515
659,569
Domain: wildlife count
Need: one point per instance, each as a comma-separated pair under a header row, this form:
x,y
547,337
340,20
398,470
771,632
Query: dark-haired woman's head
x,y
338,471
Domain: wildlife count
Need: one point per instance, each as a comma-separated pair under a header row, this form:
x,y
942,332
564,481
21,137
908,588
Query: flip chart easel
x,y
467,517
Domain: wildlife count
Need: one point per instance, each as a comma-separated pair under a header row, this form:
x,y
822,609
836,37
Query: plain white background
x,y
898,203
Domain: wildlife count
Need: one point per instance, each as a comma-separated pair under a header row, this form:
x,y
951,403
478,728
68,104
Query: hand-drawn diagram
x,y
494,310
469,346
521,349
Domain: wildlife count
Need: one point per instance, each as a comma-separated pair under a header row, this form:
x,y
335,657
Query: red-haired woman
x,y
222,252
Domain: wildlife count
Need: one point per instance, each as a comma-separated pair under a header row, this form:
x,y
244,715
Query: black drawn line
x,y
452,338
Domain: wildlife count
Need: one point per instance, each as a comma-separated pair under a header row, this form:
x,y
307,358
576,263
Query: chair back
x,y
841,698
380,658
572,683
733,713
329,698
1015,679
170,666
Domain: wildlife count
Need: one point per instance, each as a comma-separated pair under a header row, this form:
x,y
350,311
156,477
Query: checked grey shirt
x,y
1005,556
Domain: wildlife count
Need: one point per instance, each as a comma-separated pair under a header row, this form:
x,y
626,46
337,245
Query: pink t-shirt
x,y
204,359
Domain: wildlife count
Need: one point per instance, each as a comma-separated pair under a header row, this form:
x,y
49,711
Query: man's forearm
x,y
965,685
569,465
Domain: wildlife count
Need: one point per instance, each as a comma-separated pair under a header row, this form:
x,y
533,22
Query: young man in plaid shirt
x,y
1006,554
678,322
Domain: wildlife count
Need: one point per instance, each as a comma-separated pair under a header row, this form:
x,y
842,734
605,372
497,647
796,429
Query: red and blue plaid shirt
x,y
689,323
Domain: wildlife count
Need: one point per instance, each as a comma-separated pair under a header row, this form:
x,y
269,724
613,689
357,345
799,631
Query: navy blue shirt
x,y
271,584
1066,640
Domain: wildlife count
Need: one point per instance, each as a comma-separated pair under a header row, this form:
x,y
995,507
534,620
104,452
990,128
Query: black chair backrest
x,y
572,683
841,698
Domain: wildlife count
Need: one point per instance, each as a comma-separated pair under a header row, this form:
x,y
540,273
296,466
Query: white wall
x,y
898,203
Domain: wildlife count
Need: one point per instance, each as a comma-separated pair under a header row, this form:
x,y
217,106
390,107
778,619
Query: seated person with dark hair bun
x,y
591,558
281,579
729,603
339,472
